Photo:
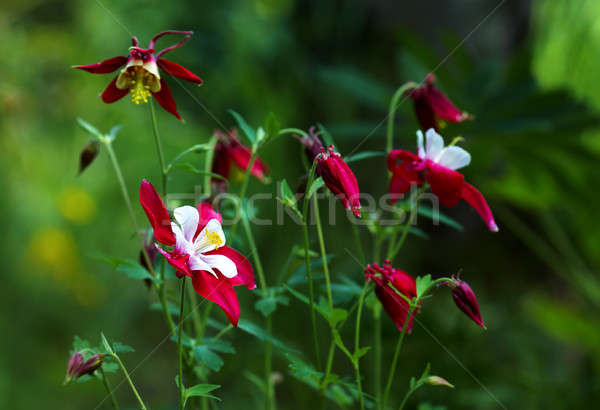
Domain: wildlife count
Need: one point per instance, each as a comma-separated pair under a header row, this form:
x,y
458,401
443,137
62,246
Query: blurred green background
x,y
528,71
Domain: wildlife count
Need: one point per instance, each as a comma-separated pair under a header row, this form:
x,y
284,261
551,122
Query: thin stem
x,y
240,203
108,389
270,396
388,385
394,103
208,162
323,253
358,243
133,389
409,222
357,344
377,355
179,349
198,328
311,176
293,131
159,150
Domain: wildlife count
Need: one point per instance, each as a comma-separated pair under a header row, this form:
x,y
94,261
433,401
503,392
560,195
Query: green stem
x,y
388,385
198,328
108,389
240,201
293,131
409,393
208,162
358,243
179,349
377,355
409,222
357,344
323,253
311,176
133,389
394,103
159,150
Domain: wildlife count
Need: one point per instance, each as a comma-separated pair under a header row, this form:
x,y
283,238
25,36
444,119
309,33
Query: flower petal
x,y
157,214
178,71
454,158
197,263
210,238
112,93
219,291
442,106
445,183
245,274
434,144
241,155
221,263
103,67
404,174
474,198
177,260
420,147
187,217
165,99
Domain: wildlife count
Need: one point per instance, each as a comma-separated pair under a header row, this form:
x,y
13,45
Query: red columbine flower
x,y
199,250
431,106
336,174
140,76
465,299
395,305
437,166
78,366
229,150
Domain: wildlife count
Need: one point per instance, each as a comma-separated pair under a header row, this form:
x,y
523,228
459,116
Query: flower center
x,y
214,239
140,81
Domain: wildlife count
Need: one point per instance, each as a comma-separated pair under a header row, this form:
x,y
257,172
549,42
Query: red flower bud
x,y
394,305
339,178
465,299
229,150
77,367
88,154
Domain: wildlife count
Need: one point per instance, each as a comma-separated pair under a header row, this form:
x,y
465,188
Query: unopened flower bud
x,y
77,367
88,154
438,381
465,299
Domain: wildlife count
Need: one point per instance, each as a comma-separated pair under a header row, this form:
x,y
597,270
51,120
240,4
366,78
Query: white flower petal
x,y
198,263
187,216
225,265
434,144
454,158
210,238
420,149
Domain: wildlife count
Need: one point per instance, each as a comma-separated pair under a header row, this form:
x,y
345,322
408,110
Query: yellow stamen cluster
x,y
214,239
139,85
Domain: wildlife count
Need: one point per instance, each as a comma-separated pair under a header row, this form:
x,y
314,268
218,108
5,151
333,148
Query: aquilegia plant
x,y
222,260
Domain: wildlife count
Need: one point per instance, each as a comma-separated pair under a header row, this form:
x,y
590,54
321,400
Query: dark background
x,y
527,70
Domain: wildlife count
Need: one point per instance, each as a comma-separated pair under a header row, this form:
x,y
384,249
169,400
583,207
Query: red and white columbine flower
x,y
199,250
229,151
141,76
437,165
394,305
432,106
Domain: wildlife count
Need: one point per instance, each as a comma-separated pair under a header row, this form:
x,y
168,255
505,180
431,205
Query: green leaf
x,y
361,352
186,166
428,212
256,380
268,305
272,126
80,344
337,316
418,232
173,310
363,155
248,130
105,344
316,184
89,128
326,135
119,347
423,283
340,343
205,355
201,390
262,334
112,134
129,267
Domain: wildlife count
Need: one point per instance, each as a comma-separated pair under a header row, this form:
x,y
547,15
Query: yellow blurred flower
x,y
76,205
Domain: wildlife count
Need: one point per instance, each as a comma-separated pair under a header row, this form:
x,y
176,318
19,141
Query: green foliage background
x,y
528,73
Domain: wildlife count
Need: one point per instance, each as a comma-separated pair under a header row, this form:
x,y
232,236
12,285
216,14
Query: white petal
x,y
420,149
187,216
435,144
210,238
181,244
198,263
225,265
454,158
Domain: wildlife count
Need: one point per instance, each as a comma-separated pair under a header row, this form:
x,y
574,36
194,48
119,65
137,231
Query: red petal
x,y
477,201
340,180
206,213
157,213
165,99
221,161
442,106
178,71
112,93
445,183
395,306
425,114
178,261
404,173
241,156
219,291
245,274
103,67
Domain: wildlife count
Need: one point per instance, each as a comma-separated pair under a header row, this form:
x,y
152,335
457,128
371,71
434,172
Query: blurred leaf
x,y
186,166
316,184
248,130
262,334
268,304
363,155
201,390
326,135
272,126
119,347
129,267
205,355
360,85
428,212
423,283
89,128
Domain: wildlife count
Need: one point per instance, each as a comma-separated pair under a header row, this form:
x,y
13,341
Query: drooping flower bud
x,y
312,144
465,299
230,151
88,154
438,381
339,178
394,305
77,367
